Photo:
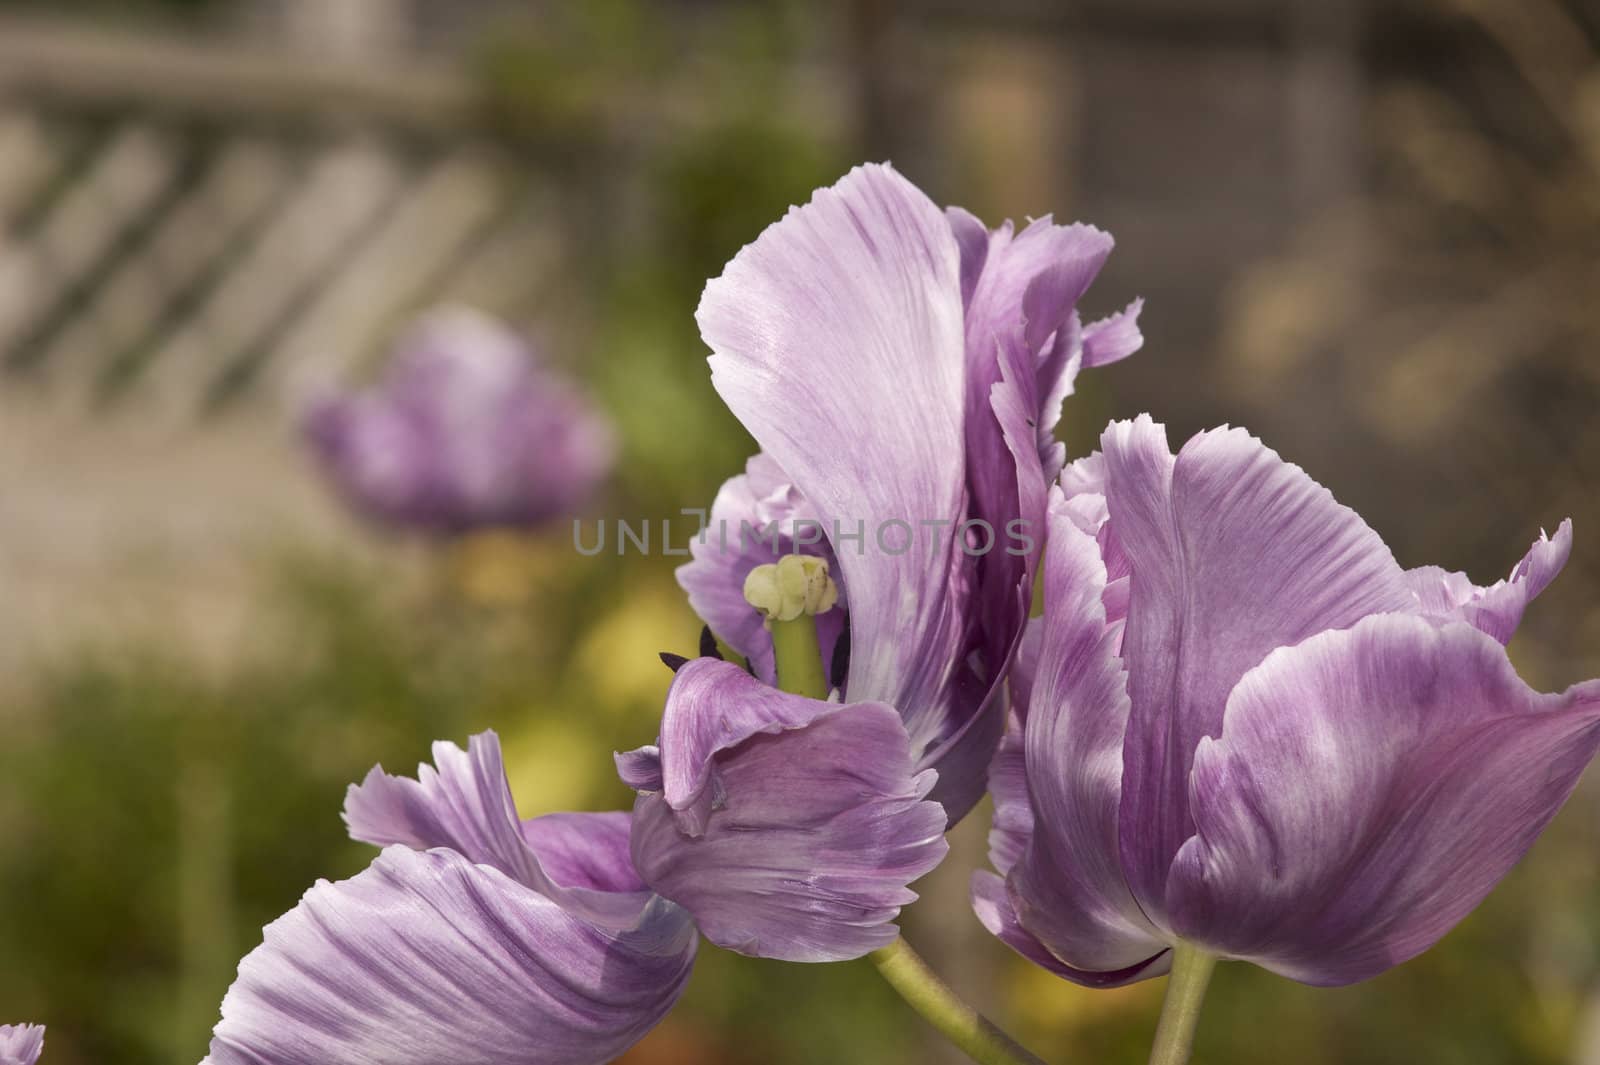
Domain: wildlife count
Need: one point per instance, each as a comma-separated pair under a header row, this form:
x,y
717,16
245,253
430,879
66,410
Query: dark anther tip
x,y
708,643
672,661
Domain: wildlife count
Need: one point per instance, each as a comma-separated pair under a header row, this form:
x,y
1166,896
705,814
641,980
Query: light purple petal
x,y
995,911
1371,786
640,768
1234,553
789,827
1113,338
1067,887
21,1044
427,957
1497,609
466,805
585,850
757,518
1012,827
1024,667
837,341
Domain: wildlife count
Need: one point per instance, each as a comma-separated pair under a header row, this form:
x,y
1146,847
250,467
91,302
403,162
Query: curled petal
x,y
1234,553
21,1044
466,805
789,827
1113,338
640,768
428,957
1068,887
1370,787
995,911
1497,609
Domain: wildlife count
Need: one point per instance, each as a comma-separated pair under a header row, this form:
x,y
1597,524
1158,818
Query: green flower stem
x,y
958,1022
1180,1010
798,657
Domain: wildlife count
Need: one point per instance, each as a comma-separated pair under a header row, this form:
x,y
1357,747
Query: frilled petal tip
x,y
464,803
789,827
1370,787
1497,609
21,1044
1114,337
428,957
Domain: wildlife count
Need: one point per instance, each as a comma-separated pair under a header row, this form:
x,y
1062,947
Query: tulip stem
x,y
1180,1010
977,1036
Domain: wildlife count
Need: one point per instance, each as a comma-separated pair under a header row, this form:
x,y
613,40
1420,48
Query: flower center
x,y
790,593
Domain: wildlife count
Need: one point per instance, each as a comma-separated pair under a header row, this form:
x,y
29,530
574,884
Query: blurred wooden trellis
x,y
182,222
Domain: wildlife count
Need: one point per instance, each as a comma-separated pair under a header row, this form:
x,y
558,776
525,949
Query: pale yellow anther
x,y
792,587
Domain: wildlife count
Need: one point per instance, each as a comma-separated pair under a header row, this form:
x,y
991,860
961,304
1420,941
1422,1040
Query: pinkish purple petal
x,y
1371,786
789,827
1497,609
837,341
428,957
21,1044
1234,553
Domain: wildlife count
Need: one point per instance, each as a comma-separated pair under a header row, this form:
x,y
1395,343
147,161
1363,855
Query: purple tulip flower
x,y
903,369
466,430
1240,725
474,937
21,1044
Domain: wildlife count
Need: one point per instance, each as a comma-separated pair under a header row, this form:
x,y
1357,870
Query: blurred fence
x,y
184,220
185,225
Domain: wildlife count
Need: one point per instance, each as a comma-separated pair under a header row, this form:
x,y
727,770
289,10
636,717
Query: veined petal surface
x,y
428,957
1370,787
